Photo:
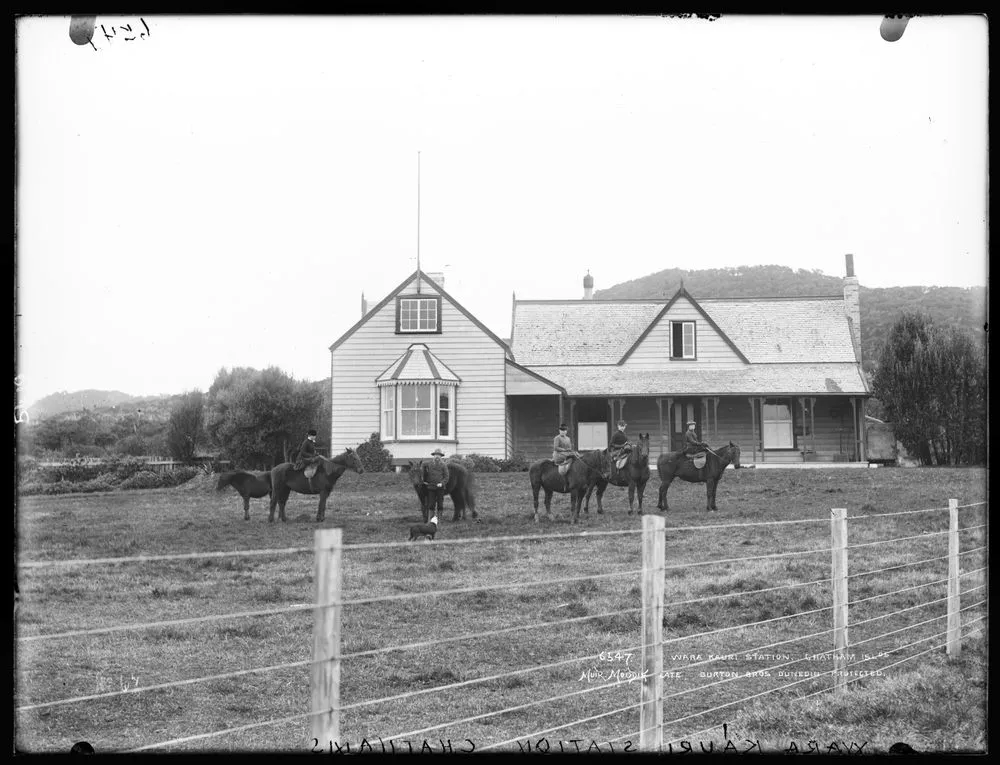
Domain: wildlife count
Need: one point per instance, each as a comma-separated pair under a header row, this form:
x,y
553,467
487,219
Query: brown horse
x,y
585,472
673,465
249,485
460,488
634,475
285,479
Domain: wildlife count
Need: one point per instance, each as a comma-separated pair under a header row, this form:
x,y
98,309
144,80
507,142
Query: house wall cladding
x,y
653,352
480,421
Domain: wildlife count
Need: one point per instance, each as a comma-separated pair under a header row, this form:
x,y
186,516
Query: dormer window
x,y
417,314
682,345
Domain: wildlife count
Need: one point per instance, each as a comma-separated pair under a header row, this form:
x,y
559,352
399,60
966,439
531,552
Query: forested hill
x,y
880,307
58,403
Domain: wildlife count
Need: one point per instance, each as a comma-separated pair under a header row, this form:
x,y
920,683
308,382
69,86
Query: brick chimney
x,y
364,305
588,287
852,305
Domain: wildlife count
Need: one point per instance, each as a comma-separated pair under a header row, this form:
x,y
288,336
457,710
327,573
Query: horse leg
x,y
710,485
548,503
601,488
662,504
640,489
534,497
274,504
321,512
586,507
459,502
246,508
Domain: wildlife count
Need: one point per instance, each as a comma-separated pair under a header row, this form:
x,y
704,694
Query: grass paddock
x,y
585,588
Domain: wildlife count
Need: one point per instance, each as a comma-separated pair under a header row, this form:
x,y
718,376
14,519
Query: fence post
x,y
325,678
954,593
838,529
654,544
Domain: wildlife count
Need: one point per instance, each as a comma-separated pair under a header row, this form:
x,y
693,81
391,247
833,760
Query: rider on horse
x,y
307,457
692,444
563,453
620,446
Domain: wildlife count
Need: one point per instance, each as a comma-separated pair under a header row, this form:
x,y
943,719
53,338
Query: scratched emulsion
x,y
81,29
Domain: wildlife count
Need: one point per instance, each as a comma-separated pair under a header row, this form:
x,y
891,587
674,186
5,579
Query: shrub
x,y
374,457
144,479
481,463
183,475
517,463
101,483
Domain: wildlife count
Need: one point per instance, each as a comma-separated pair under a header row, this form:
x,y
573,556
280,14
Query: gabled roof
x,y
418,365
439,290
801,330
682,293
553,332
786,330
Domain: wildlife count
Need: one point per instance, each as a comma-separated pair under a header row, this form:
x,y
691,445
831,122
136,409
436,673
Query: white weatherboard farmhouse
x,y
779,376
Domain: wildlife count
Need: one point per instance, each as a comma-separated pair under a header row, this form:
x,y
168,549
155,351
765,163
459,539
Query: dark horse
x,y
460,488
285,479
634,475
585,472
249,485
673,465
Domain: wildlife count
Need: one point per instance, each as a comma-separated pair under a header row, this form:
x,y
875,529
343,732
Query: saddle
x,y
699,459
310,470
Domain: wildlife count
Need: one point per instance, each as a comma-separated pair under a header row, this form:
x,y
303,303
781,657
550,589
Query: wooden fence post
x,y
954,593
838,529
654,543
325,678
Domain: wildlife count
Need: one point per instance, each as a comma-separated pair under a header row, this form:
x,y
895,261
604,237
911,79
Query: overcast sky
x,y
219,191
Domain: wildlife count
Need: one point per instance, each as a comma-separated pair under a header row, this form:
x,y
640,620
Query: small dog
x,y
427,530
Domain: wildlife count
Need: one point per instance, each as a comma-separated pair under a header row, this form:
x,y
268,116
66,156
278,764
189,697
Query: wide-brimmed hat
x,y
311,433
692,422
437,453
562,426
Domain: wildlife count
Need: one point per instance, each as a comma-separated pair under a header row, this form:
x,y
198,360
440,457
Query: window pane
x,y
443,417
408,396
676,345
689,339
423,423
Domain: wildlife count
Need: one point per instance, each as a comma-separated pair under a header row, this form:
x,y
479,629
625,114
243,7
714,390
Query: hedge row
x,y
112,481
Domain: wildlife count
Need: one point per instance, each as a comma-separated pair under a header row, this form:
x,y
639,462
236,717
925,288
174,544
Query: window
x,y
776,422
388,412
444,411
418,411
682,340
418,314
415,411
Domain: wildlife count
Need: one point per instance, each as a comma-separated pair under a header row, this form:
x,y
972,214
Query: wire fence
x,y
653,674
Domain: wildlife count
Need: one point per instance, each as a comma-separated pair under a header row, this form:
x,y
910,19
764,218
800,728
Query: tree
x,y
184,429
253,416
932,384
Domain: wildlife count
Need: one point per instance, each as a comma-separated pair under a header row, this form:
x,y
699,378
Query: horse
x,y
285,479
673,465
634,475
585,472
249,485
460,488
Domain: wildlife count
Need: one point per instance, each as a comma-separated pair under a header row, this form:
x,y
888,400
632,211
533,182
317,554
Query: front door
x,y
684,410
776,424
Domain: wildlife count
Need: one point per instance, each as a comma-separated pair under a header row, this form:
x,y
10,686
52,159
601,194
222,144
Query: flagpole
x,y
418,222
